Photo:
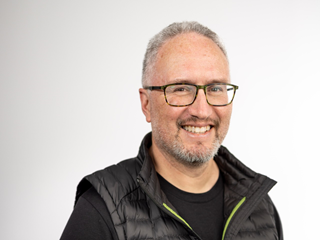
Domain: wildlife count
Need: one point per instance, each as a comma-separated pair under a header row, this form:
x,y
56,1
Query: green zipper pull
x,y
231,215
174,213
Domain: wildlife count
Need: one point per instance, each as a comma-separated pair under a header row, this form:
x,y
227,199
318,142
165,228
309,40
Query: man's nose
x,y
200,107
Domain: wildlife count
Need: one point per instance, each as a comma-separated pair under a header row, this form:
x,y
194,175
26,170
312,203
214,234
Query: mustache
x,y
209,121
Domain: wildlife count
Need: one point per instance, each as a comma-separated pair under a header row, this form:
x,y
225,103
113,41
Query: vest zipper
x,y
174,213
181,219
231,215
168,210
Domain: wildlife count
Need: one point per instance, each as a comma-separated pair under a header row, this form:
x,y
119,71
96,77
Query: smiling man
x,y
183,184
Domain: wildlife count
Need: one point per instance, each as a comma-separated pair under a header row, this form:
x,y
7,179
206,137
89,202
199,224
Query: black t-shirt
x,y
90,218
203,212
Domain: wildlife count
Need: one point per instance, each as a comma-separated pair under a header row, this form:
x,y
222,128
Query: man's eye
x,y
215,89
180,89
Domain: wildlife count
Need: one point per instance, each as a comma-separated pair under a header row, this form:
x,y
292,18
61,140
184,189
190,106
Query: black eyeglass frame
x,y
204,87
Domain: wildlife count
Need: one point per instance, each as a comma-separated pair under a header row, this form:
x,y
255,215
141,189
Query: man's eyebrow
x,y
218,81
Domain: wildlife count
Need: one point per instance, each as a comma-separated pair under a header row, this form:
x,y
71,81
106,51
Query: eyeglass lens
x,y
217,94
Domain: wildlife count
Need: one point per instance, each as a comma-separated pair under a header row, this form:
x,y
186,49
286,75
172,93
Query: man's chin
x,y
195,156
194,164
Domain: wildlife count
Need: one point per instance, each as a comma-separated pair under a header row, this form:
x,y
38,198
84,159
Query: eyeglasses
x,y
184,94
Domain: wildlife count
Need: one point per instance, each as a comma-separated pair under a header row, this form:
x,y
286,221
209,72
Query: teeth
x,y
194,129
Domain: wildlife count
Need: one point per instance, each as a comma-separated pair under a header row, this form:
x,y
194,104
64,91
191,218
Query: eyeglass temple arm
x,y
154,87
233,88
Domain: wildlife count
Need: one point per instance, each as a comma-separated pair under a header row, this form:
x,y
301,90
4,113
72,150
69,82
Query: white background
x,y
69,103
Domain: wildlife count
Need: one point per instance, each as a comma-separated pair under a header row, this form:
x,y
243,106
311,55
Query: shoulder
x,y
119,178
239,177
123,171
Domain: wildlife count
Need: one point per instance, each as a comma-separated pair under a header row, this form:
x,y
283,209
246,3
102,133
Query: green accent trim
x,y
231,215
174,213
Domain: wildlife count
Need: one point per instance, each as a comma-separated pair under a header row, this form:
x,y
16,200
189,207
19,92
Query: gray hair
x,y
169,32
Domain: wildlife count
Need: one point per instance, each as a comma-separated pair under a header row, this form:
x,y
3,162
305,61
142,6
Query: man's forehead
x,y
189,57
186,43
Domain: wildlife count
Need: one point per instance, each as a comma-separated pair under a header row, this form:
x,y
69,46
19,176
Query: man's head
x,y
166,34
185,53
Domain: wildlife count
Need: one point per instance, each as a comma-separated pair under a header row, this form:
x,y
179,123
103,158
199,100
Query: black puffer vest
x,y
140,210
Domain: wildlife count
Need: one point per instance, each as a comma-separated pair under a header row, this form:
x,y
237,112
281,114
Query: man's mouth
x,y
198,130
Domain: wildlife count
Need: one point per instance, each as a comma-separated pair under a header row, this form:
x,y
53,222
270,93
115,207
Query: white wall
x,y
69,104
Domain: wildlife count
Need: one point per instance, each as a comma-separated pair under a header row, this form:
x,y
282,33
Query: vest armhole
x,y
82,187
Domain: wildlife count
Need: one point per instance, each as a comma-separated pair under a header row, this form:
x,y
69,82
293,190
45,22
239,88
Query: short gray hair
x,y
169,32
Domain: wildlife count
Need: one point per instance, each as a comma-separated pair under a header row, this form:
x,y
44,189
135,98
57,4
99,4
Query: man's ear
x,y
145,103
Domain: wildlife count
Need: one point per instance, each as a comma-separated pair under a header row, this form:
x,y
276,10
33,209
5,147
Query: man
x,y
183,184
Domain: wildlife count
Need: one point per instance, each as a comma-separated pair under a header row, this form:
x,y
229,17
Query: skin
x,y
191,58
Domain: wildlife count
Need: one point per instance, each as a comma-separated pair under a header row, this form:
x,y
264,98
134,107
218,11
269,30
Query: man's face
x,y
187,58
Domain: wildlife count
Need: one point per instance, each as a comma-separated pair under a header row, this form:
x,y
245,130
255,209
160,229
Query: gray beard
x,y
190,157
195,158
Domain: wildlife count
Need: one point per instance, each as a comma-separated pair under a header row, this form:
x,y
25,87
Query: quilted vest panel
x,y
134,214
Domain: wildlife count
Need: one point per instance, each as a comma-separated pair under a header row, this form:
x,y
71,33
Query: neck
x,y
193,179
